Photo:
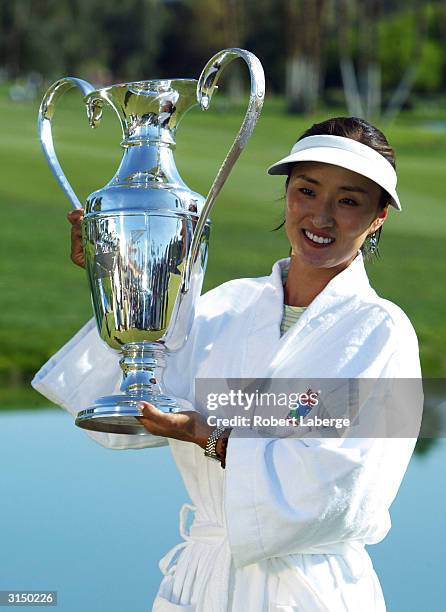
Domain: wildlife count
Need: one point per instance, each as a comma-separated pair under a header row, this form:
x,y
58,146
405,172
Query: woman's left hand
x,y
188,426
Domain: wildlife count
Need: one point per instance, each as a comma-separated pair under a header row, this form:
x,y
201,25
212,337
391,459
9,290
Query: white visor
x,y
346,153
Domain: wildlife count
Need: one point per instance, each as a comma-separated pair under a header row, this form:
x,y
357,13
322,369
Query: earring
x,y
373,243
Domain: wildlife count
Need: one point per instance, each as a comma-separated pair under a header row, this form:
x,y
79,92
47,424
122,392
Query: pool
x,y
92,523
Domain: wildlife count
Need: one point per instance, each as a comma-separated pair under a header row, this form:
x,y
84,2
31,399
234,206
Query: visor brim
x,y
344,159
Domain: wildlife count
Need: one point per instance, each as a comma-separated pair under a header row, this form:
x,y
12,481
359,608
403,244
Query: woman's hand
x,y
77,252
187,426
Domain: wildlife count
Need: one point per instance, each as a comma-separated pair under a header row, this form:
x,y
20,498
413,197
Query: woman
x,y
283,526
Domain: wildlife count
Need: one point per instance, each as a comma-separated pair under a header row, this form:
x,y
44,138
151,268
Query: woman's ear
x,y
382,216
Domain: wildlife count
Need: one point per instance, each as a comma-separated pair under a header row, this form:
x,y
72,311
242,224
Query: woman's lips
x,y
317,245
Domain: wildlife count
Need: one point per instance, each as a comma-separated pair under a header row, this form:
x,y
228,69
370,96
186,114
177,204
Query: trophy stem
x,y
142,364
139,363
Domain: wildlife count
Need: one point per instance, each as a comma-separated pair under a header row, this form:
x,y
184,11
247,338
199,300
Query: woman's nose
x,y
323,214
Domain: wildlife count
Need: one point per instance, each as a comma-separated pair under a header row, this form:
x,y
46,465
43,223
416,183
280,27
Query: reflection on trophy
x,y
146,233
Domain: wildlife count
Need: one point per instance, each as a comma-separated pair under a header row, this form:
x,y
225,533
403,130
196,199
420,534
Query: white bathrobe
x,y
284,526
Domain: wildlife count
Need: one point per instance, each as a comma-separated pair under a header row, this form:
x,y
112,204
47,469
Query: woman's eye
x,y
306,191
349,202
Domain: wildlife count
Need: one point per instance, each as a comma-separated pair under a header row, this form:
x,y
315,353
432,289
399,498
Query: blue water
x,y
92,523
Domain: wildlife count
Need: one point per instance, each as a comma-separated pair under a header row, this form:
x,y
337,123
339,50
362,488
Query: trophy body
x,y
146,234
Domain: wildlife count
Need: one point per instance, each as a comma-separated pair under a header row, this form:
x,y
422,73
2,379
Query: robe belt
x,y
203,532
354,554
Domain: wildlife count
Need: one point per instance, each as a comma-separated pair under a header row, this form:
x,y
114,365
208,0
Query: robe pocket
x,y
283,608
164,605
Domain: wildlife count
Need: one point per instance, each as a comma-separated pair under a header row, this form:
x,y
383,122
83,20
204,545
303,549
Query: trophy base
x,y
117,414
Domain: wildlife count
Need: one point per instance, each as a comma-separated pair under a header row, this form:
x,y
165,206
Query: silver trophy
x,y
146,234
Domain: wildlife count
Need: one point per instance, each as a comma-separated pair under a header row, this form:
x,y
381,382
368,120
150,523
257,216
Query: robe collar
x,y
348,284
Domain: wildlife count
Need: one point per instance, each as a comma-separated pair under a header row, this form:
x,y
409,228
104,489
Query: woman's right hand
x,y
77,252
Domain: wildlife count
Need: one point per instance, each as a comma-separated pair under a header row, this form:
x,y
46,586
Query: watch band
x,y
211,444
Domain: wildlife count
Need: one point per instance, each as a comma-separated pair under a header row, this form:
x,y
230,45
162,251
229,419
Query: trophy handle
x,y
46,113
205,89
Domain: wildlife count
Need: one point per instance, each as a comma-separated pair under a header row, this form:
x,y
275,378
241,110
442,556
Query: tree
x,y
363,91
15,22
215,25
403,89
305,24
134,31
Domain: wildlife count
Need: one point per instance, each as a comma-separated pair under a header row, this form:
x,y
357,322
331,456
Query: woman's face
x,y
329,212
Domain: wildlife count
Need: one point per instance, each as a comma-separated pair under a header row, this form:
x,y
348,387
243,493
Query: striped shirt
x,y
290,316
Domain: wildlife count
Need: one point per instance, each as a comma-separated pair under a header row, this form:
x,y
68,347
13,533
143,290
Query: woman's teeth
x,y
318,239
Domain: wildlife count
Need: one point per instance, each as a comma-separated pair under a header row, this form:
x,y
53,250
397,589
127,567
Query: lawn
x,y
44,298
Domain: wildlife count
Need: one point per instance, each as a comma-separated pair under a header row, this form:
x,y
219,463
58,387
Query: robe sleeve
x,y
301,495
80,372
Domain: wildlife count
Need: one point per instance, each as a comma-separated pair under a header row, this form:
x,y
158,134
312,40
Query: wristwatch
x,y
211,444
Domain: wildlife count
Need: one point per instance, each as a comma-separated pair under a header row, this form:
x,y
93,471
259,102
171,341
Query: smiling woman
x,y
340,181
325,226
284,525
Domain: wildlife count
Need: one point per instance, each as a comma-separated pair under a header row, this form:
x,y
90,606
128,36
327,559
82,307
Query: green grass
x,y
44,298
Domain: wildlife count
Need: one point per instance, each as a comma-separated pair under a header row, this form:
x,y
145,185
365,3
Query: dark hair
x,y
361,131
